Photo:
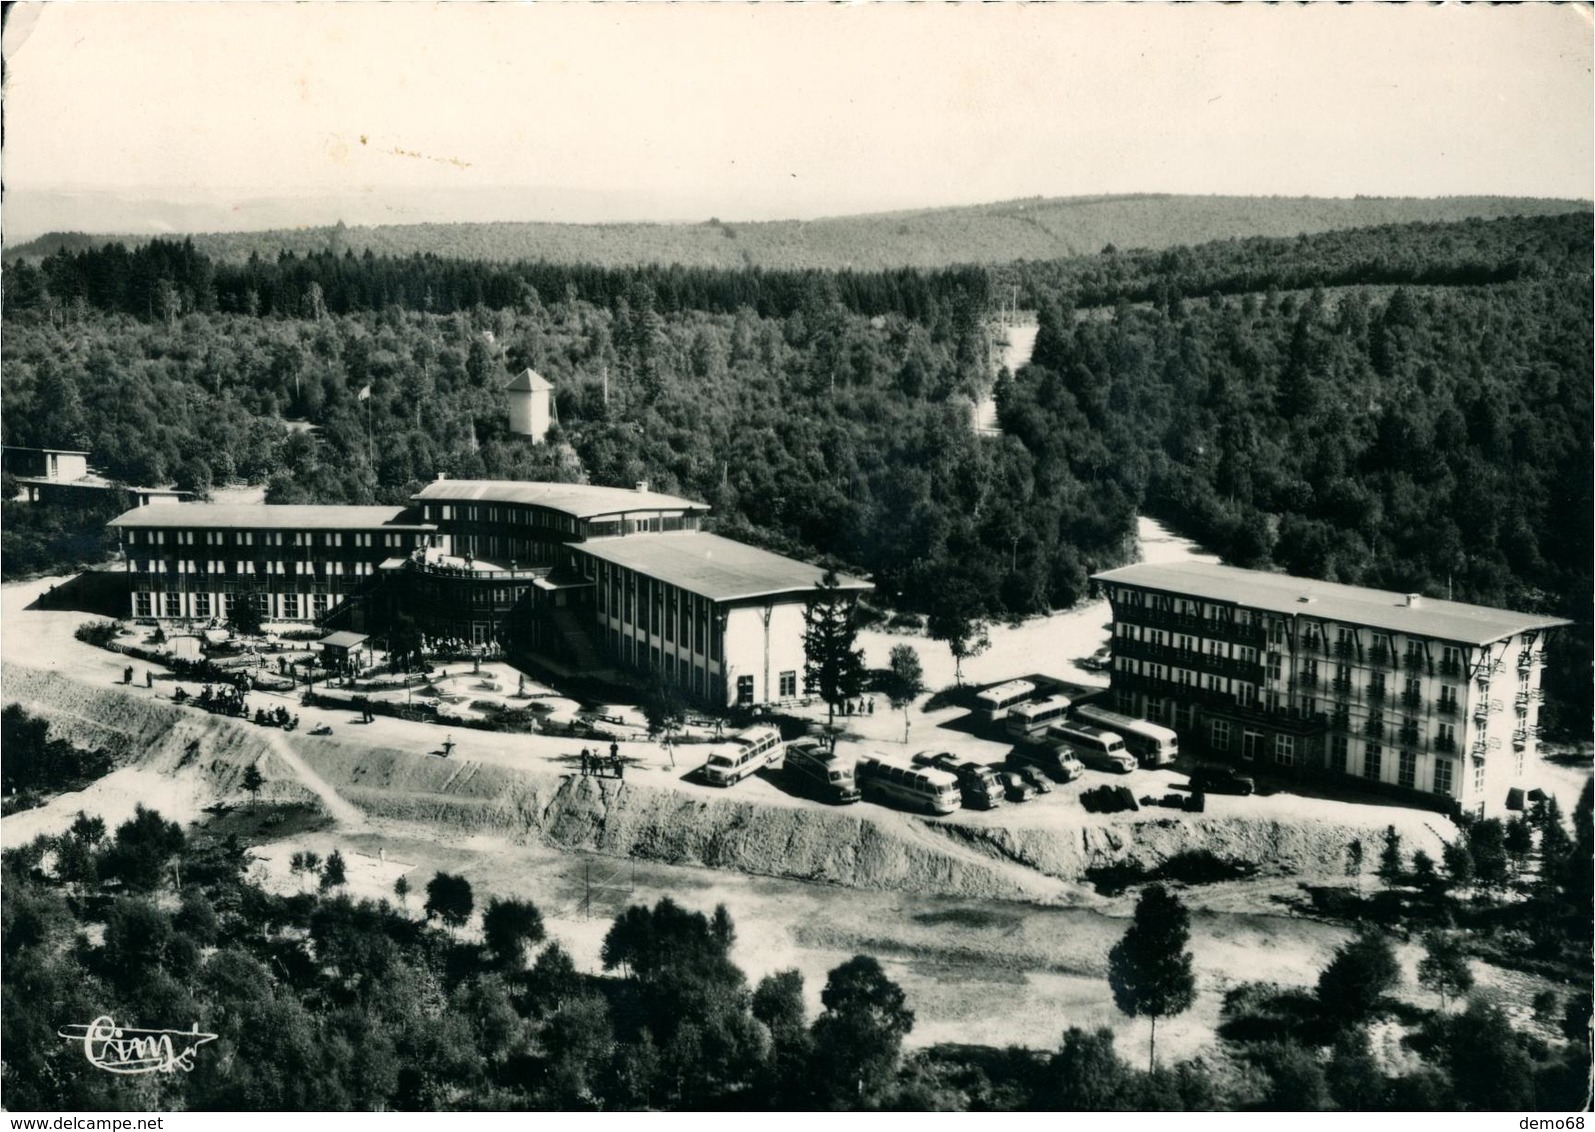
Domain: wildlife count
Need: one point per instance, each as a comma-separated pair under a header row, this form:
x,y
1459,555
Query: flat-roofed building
x,y
1403,691
190,561
580,576
720,618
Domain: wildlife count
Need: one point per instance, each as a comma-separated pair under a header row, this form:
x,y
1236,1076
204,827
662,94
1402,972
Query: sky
x,y
758,111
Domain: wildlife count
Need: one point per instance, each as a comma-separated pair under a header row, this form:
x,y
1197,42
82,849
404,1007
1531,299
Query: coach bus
x,y
1027,719
885,779
1152,744
994,703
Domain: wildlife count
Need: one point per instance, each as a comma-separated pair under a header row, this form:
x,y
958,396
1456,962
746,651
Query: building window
x,y
290,606
318,605
1442,777
1337,753
202,604
1154,708
1251,745
142,605
1221,735
1276,663
1246,694
1478,776
744,689
1407,769
1371,760
1285,750
788,685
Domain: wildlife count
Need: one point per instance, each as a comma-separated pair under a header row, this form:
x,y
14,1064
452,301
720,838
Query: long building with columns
x,y
581,576
1413,694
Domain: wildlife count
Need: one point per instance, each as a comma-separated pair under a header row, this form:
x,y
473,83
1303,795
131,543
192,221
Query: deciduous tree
x,y
1150,968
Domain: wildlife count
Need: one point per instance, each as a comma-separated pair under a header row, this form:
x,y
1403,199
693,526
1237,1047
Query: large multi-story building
x,y
578,575
1412,693
191,561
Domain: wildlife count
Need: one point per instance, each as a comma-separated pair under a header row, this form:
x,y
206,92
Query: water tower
x,y
530,394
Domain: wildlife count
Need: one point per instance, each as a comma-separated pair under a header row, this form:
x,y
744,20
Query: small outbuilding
x,y
338,649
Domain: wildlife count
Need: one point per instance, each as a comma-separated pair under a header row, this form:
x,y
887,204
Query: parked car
x,y
1099,661
1058,762
1221,780
1033,775
976,782
1015,788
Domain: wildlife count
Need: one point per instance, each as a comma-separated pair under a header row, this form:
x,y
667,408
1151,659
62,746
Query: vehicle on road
x,y
1034,717
882,778
1033,775
977,782
751,751
993,704
1151,743
1099,661
814,769
1222,780
1015,787
1055,759
1094,746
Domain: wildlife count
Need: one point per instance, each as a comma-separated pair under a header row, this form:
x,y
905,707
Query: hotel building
x,y
1410,693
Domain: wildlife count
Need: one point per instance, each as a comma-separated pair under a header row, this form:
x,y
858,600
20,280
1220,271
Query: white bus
x,y
1025,720
994,703
885,779
1152,743
1094,746
751,749
818,771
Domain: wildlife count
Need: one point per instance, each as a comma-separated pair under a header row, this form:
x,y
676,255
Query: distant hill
x,y
1034,229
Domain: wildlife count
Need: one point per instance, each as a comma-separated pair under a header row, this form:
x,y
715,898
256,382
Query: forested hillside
x,y
1032,229
811,428
1419,438
1405,407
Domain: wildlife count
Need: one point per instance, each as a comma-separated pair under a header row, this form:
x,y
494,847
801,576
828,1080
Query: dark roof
x,y
712,567
528,382
1331,601
271,516
57,451
580,500
344,640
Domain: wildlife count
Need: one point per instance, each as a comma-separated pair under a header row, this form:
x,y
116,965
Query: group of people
x,y
278,716
594,762
864,705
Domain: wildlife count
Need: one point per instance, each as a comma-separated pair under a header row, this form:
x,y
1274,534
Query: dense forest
x,y
1034,229
1405,406
427,1001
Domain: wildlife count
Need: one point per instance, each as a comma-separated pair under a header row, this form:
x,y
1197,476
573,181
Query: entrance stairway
x,y
578,646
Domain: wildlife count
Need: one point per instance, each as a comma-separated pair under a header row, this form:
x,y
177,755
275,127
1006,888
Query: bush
x,y
906,622
100,634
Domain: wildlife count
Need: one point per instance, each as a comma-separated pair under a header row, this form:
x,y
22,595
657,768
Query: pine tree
x,y
1390,869
1150,968
833,665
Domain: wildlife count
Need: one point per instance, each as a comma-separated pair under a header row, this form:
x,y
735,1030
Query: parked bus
x,y
751,749
977,782
885,779
1053,757
816,770
1025,720
1095,746
1152,743
994,703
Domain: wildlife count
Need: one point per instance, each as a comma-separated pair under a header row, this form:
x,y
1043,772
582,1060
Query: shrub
x,y
100,634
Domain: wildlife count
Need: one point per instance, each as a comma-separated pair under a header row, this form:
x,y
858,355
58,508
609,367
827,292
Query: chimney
x,y
1414,600
642,485
442,476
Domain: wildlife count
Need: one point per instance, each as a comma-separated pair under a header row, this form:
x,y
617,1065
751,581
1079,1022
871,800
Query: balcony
x,y
1376,693
1450,668
1446,707
1410,737
1340,721
1411,700
1481,711
1379,656
1374,729
1415,662
1527,660
1340,685
1521,702
1444,743
1306,681
1345,648
1520,738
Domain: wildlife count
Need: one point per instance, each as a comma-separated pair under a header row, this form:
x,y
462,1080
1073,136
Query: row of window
x,y
323,539
657,608
206,606
225,566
